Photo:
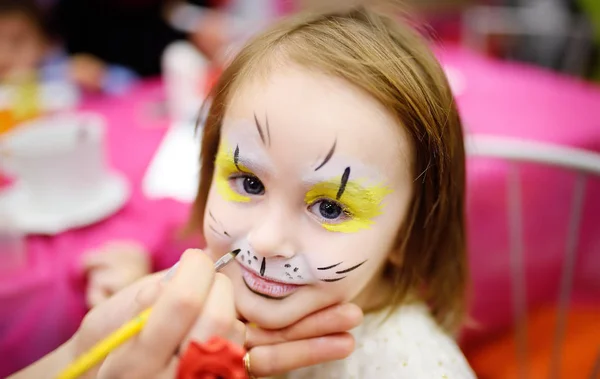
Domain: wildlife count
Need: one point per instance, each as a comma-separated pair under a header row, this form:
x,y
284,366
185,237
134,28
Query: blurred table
x,y
41,306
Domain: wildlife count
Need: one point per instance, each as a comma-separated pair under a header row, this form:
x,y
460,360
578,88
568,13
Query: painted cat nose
x,y
270,246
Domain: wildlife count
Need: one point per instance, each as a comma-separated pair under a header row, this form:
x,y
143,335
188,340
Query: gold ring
x,y
247,365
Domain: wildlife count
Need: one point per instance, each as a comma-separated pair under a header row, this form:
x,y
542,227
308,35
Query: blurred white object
x,y
53,96
185,73
58,96
174,170
62,178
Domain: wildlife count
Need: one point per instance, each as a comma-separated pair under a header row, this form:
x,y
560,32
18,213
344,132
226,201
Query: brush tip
x,y
235,252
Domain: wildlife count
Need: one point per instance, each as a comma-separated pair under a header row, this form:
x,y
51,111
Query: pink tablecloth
x,y
41,306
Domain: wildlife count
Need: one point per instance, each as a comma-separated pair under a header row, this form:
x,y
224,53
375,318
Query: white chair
x,y
585,164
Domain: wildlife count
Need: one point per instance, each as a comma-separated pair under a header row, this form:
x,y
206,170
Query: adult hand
x,y
196,304
318,338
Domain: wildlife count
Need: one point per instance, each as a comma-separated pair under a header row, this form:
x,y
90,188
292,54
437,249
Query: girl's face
x,y
22,45
312,181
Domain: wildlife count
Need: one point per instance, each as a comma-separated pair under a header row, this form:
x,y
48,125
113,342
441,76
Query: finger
x,y
103,320
95,295
266,361
336,319
118,310
176,309
109,281
97,288
218,314
93,259
238,333
148,295
171,371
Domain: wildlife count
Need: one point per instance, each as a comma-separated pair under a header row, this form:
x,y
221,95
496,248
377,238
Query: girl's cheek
x,y
216,246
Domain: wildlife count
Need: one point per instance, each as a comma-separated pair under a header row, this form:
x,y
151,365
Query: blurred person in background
x,y
29,49
134,33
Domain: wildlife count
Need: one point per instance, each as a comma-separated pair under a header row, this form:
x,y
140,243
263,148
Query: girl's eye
x,y
329,211
248,184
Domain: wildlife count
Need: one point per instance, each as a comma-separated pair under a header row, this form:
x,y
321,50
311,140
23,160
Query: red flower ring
x,y
215,359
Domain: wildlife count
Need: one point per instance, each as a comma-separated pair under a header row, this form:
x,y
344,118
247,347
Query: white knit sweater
x,y
408,345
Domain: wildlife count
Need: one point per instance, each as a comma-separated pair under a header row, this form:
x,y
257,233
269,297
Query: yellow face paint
x,y
361,203
225,167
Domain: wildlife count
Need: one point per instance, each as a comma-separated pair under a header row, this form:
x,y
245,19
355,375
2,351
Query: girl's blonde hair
x,y
393,64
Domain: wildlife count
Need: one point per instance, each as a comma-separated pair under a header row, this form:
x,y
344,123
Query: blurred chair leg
x,y
519,293
566,283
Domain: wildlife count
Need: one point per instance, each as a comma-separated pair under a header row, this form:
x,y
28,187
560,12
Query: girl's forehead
x,y
301,115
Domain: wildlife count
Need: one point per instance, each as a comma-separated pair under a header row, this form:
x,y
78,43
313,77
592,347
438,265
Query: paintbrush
x,y
101,350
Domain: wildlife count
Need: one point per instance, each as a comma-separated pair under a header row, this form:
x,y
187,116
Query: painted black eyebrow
x,y
211,216
345,177
351,268
328,267
268,131
236,157
329,155
260,131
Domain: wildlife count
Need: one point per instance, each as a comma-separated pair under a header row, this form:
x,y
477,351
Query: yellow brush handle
x,y
104,347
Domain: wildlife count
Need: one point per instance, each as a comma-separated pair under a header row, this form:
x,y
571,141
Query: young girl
x,y
333,157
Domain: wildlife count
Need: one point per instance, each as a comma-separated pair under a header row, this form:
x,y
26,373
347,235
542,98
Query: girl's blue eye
x,y
253,185
248,184
328,211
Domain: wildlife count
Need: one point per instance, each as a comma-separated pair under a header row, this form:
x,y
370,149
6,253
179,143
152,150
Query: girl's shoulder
x,y
406,344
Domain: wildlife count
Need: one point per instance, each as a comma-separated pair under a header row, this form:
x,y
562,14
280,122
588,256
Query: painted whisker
x,y
345,271
220,225
213,229
351,268
329,267
332,280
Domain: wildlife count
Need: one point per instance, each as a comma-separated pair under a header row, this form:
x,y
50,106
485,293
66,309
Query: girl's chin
x,y
267,313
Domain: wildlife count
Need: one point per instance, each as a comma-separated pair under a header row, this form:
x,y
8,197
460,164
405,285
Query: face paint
x,y
338,271
296,270
302,133
266,141
227,165
359,203
216,227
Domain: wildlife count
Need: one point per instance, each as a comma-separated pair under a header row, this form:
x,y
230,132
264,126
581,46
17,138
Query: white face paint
x,y
268,191
294,270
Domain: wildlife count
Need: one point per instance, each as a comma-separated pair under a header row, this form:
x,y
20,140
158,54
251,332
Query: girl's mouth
x,y
268,288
